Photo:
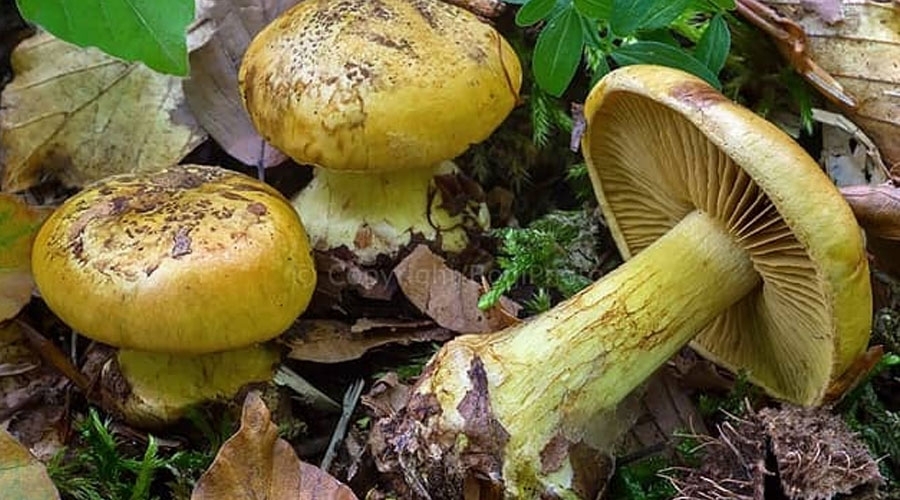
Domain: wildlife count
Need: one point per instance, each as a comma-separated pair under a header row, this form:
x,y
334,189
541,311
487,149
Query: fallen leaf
x,y
859,52
877,209
448,297
19,223
829,10
256,464
332,341
849,156
22,477
79,115
387,396
664,409
225,29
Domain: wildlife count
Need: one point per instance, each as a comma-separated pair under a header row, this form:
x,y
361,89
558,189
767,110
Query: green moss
x,y
101,467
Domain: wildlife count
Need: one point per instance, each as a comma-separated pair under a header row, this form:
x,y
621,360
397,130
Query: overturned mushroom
x,y
379,95
187,270
736,241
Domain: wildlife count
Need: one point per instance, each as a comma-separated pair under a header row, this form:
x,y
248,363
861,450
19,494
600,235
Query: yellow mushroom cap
x,y
662,144
191,259
362,85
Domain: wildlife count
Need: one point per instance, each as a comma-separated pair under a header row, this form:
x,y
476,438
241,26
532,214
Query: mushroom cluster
x,y
737,243
187,270
379,96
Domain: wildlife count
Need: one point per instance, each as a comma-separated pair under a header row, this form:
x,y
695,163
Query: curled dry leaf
x,y
332,341
78,115
256,464
22,477
860,51
877,208
19,223
447,296
220,36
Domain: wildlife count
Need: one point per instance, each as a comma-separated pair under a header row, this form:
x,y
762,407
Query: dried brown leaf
x,y
448,297
256,464
387,396
222,31
332,341
829,10
860,52
22,477
78,115
877,209
665,409
19,223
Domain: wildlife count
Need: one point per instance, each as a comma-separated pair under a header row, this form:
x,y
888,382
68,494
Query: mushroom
x,y
378,95
186,270
736,242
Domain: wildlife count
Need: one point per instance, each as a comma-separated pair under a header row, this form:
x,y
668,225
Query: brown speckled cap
x,y
662,144
191,259
375,85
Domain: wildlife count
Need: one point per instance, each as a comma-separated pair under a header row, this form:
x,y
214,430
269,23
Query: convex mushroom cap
x,y
662,144
191,259
356,85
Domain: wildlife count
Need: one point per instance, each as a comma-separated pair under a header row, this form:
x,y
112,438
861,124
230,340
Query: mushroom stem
x,y
157,388
379,213
553,383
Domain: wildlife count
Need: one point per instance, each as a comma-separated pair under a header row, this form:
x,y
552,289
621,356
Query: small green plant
x,y
627,32
151,32
557,252
99,470
643,479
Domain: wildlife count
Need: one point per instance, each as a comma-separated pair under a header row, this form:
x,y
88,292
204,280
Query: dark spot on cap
x,y
150,268
234,196
698,94
401,45
119,205
424,8
257,209
182,243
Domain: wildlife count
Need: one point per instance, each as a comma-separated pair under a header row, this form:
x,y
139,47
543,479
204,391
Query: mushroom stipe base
x,y
158,388
595,348
374,214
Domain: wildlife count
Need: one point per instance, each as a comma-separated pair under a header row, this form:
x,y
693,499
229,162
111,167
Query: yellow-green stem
x,y
561,373
378,213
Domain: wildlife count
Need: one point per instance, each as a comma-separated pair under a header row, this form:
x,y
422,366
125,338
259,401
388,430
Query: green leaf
x,y
594,9
534,11
150,31
662,36
664,55
713,46
723,5
661,13
627,15
558,51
